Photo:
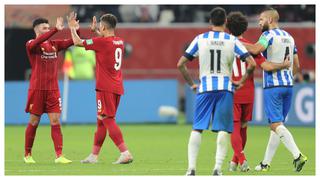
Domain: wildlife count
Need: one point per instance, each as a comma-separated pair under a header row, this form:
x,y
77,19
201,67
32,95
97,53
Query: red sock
x,y
115,133
99,137
235,159
236,142
30,134
243,132
56,136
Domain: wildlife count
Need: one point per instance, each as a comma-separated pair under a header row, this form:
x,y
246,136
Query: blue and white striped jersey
x,y
216,52
278,44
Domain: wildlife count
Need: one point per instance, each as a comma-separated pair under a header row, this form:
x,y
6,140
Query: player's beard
x,y
265,27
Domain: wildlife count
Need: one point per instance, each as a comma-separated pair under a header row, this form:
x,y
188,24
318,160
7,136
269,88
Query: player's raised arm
x,y
74,25
184,71
66,43
93,26
254,49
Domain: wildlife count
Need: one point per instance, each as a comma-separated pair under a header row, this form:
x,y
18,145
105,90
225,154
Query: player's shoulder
x,y
29,42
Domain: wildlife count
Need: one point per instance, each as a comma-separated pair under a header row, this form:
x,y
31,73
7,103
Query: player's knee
x,y
34,122
55,121
244,124
101,117
273,126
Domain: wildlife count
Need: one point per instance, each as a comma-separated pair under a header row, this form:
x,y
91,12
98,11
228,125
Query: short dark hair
x,y
110,19
218,16
38,21
237,23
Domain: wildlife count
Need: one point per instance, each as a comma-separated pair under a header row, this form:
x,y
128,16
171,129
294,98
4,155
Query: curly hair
x,y
237,23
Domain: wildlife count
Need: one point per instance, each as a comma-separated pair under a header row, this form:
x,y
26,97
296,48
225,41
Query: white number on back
x,y
118,58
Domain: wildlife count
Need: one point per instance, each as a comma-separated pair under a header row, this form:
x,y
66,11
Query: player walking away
x,y
216,51
109,87
243,99
43,94
276,44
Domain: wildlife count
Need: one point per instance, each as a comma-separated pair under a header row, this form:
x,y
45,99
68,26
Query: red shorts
x,y
242,112
43,101
107,103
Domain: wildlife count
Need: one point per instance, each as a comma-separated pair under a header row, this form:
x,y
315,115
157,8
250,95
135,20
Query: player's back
x,y
109,55
216,51
280,44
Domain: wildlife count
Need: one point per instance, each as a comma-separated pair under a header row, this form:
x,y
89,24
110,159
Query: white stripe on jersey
x,y
275,79
209,84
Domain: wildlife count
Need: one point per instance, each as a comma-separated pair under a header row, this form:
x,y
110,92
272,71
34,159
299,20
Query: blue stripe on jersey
x,y
270,42
277,32
204,83
216,34
225,82
226,36
238,50
194,49
284,33
269,79
287,77
266,33
279,78
206,35
214,82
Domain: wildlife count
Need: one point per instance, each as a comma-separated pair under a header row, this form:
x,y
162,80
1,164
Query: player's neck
x,y
239,37
273,26
217,28
108,34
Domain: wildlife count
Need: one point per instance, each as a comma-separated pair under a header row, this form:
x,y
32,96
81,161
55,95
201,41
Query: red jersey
x,y
109,55
246,93
43,57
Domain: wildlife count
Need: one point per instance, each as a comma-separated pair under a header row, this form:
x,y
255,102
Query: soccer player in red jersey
x,y
109,86
244,97
43,94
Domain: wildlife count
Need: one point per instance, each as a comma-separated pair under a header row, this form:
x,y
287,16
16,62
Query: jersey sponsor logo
x,y
89,41
49,55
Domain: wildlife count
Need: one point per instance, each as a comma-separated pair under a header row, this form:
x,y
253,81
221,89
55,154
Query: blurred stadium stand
x,y
155,35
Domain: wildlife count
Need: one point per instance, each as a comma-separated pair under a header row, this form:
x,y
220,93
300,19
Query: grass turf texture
x,y
157,150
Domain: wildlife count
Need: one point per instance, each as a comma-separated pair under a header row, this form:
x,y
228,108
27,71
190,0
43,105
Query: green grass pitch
x,y
157,150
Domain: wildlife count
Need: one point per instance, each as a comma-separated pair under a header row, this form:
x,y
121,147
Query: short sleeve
x,y
193,49
259,59
240,51
94,44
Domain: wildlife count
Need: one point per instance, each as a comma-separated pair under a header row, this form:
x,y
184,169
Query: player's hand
x,y
286,63
237,84
59,24
194,88
72,20
93,25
